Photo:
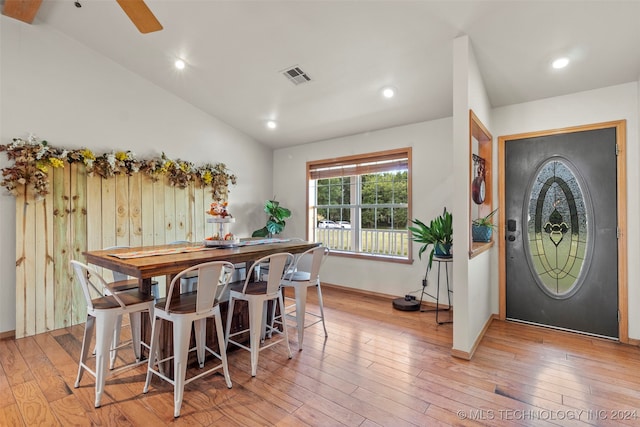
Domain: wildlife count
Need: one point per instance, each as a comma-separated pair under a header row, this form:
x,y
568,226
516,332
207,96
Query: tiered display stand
x,y
221,232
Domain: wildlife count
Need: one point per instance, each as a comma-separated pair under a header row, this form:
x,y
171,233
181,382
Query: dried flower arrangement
x,y
32,159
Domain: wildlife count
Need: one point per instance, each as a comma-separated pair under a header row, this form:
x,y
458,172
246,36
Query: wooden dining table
x,y
152,261
147,262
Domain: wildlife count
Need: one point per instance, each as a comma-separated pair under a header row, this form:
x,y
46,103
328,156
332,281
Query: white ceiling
x,y
235,51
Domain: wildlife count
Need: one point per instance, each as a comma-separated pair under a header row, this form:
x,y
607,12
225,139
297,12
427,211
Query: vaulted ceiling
x,y
236,52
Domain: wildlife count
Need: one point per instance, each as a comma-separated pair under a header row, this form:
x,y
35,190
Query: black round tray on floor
x,y
404,305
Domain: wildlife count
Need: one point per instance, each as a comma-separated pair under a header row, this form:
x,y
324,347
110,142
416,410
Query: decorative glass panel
x,y
559,237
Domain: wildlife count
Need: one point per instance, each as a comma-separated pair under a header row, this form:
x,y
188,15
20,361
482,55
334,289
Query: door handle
x,y
511,228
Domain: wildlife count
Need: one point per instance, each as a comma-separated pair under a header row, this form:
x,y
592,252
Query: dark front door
x,y
561,237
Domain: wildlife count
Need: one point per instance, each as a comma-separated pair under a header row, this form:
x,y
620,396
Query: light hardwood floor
x,y
379,367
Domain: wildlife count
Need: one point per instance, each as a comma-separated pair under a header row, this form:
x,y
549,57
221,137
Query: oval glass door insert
x,y
559,232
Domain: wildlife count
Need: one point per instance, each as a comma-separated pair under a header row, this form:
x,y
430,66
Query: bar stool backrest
x,y
277,263
310,262
89,278
213,279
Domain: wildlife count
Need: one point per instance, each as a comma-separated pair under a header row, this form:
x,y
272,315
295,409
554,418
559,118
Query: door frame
x,y
621,166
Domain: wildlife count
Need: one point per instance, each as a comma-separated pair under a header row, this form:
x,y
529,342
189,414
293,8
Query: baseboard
x,y
377,294
459,354
8,335
468,355
358,291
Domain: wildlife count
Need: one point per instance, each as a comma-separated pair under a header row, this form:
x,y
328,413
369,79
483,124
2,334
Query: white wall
x,y
432,184
61,91
461,87
483,269
472,279
601,105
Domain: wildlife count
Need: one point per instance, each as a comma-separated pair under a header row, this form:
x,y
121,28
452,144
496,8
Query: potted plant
x,y
482,228
275,222
438,234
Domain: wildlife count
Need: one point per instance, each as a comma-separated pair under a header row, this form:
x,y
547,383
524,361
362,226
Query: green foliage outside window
x,y
362,205
379,193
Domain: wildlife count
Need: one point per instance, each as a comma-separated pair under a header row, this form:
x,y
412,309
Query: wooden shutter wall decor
x,y
84,212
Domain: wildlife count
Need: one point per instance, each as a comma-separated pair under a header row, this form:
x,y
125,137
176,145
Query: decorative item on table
x,y
227,240
220,215
219,209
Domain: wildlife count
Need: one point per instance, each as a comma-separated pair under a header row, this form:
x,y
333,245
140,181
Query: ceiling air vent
x,y
296,75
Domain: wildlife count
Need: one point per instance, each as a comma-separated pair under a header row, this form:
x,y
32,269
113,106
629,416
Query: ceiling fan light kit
x,y
137,11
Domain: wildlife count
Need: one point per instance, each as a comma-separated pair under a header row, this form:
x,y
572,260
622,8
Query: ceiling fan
x,y
136,10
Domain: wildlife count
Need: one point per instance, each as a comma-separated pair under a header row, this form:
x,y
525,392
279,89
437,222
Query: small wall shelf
x,y
480,168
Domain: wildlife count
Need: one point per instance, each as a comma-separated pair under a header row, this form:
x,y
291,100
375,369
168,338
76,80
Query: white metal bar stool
x,y
122,282
306,273
184,310
258,294
102,315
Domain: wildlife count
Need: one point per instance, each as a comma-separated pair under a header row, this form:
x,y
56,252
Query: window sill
x,y
369,257
478,247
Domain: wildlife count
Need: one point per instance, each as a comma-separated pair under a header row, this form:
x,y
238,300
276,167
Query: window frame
x,y
364,158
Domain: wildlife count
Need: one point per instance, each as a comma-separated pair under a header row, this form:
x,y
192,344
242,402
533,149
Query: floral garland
x,y
33,158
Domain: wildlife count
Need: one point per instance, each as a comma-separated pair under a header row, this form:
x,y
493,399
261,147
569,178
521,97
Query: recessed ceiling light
x,y
560,63
179,64
272,124
388,92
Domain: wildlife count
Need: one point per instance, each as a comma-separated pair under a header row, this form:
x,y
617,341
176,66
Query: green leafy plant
x,y
275,222
482,228
486,221
438,234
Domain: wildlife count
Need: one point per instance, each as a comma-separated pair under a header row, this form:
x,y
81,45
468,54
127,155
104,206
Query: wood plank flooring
x,y
378,367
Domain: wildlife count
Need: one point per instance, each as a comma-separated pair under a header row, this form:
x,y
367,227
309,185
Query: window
x,y
360,205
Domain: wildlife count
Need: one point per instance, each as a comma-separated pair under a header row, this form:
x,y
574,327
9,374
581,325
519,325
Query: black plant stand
x,y
440,261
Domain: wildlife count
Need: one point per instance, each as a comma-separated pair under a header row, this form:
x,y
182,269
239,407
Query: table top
x,y
159,265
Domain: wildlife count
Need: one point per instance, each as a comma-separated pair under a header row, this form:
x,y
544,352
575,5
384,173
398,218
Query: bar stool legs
x,y
103,324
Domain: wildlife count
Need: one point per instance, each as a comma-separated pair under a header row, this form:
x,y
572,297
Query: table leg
x,y
145,286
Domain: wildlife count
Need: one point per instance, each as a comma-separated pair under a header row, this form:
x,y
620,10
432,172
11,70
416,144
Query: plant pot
x,y
443,250
481,233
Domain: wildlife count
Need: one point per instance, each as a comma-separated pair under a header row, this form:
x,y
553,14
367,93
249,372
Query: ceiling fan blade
x,y
140,15
22,10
